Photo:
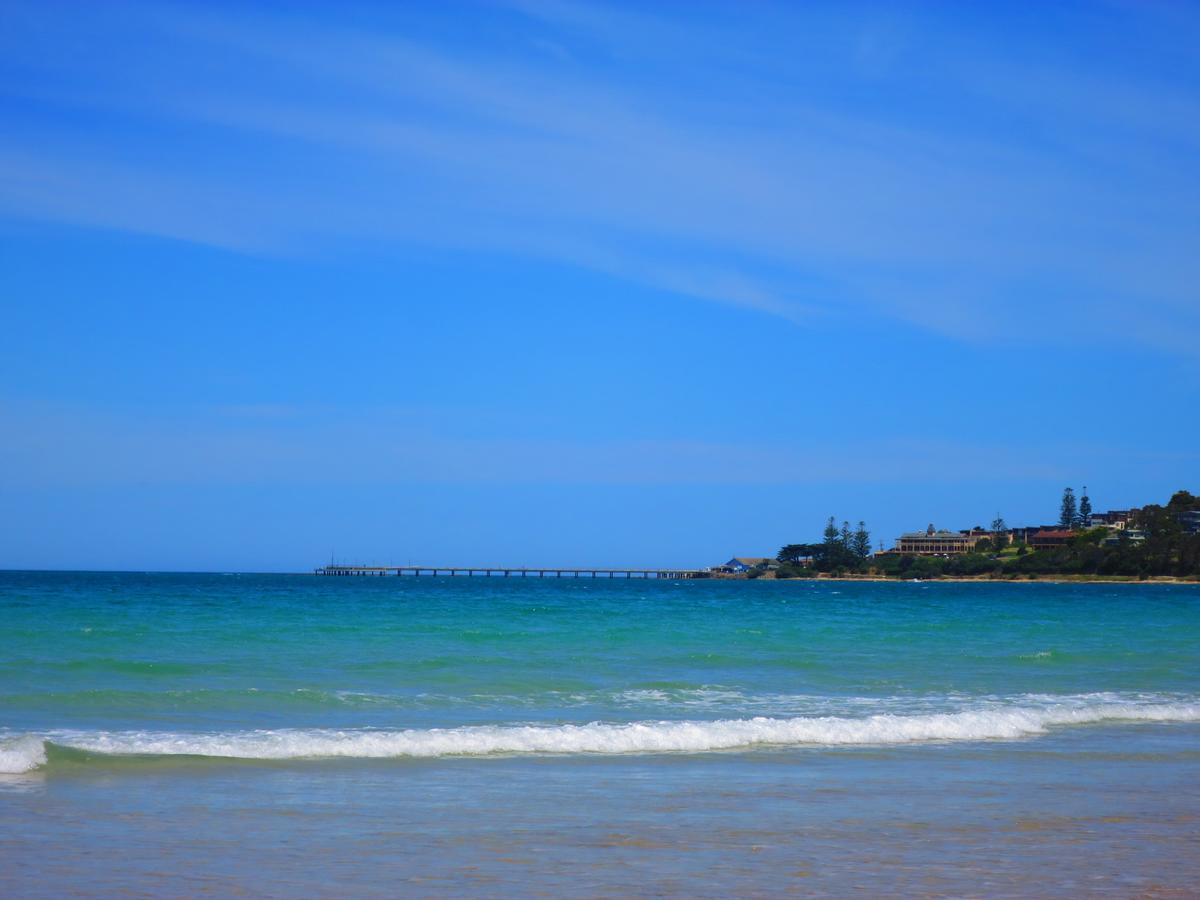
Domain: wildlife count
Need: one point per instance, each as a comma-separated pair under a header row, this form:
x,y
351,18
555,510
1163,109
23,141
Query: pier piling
x,y
471,571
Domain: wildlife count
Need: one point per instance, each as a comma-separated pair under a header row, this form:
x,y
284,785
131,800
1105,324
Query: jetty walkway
x,y
505,571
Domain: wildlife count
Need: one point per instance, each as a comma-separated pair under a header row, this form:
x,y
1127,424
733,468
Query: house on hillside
x,y
1048,539
1124,535
1114,518
932,542
1022,533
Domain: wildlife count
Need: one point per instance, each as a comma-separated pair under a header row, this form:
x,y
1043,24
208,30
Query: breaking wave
x,y
21,754
26,752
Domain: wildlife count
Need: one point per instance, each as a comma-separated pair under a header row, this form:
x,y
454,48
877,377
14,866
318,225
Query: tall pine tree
x,y
861,542
1069,516
831,532
831,549
1085,510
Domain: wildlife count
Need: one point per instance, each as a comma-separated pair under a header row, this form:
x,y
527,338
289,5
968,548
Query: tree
x,y
846,538
1085,509
831,538
1182,501
999,533
830,555
860,543
795,553
1067,518
926,567
1162,538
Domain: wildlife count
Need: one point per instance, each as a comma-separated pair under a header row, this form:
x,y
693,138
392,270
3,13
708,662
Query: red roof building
x,y
1049,539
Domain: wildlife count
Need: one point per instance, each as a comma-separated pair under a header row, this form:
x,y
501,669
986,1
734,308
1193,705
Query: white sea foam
x,y
21,754
995,723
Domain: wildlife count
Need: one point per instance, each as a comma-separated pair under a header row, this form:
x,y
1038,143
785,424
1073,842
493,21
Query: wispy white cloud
x,y
77,189
725,175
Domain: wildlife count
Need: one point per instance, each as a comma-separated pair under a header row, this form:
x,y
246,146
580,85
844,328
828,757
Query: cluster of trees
x,y
841,550
1074,515
1158,542
1159,545
965,565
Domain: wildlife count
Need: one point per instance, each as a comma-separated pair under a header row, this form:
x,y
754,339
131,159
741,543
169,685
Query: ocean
x,y
177,734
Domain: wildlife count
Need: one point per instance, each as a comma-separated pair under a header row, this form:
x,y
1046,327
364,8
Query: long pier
x,y
505,571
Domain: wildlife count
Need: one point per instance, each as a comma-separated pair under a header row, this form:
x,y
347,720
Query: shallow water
x,y
292,734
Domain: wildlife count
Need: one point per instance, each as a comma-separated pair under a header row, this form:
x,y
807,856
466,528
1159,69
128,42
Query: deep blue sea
x,y
275,735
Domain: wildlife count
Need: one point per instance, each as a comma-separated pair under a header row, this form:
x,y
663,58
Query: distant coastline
x,y
1151,543
982,579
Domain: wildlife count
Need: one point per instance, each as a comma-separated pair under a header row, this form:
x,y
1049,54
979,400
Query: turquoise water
x,y
599,735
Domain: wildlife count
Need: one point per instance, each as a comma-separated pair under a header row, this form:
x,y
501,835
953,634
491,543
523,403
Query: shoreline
x,y
965,579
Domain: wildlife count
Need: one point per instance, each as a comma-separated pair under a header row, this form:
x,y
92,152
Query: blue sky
x,y
571,283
